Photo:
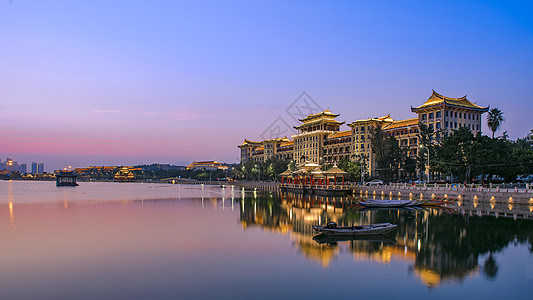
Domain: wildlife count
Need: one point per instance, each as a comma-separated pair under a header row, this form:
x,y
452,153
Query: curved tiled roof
x,y
402,123
325,113
340,134
438,99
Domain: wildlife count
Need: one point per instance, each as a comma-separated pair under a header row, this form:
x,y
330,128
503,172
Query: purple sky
x,y
128,82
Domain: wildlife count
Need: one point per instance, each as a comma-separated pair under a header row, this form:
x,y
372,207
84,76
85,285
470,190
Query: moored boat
x,y
372,229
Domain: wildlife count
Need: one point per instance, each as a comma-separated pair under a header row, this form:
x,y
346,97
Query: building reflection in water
x,y
441,245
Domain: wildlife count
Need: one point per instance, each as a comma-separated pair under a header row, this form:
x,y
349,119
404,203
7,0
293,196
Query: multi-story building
x,y
280,148
37,168
406,132
313,134
447,114
361,146
12,165
320,139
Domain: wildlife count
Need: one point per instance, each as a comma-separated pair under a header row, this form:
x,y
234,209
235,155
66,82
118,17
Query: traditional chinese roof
x,y
326,117
383,119
340,134
300,171
288,143
437,99
283,139
248,143
335,171
402,123
287,172
308,165
326,114
317,172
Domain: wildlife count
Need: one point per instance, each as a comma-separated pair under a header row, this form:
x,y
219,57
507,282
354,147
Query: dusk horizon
x,y
101,83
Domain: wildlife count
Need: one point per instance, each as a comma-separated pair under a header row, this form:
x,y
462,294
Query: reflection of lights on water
x,y
290,214
419,245
476,201
11,214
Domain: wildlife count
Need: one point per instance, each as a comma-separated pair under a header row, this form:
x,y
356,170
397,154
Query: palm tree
x,y
495,120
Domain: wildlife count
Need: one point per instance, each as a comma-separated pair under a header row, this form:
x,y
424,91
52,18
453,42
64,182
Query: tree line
x,y
461,156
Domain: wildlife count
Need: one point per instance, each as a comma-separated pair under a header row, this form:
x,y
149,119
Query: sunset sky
x,y
128,82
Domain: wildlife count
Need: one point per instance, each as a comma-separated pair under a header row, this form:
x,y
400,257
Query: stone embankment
x,y
406,191
468,193
266,186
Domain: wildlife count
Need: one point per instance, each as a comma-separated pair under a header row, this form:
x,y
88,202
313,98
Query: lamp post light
x,y
362,160
423,147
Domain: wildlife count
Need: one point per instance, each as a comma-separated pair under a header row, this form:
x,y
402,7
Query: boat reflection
x,y
333,240
441,245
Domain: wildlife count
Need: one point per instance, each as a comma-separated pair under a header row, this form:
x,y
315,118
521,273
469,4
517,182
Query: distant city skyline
x,y
127,83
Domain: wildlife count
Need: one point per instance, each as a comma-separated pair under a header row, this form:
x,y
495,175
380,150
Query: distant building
x,y
125,174
37,168
207,165
66,178
14,166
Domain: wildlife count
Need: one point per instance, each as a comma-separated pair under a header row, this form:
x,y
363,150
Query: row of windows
x,y
456,125
403,132
362,128
453,114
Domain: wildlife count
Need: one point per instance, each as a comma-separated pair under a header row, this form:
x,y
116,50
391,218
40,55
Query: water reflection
x,y
440,244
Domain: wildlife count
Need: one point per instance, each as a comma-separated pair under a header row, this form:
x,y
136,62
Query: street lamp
x,y
423,147
362,159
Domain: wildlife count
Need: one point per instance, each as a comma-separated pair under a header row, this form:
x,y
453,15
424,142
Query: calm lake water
x,y
146,241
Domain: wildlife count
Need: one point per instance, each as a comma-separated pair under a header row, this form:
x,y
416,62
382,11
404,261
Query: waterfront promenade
x,y
496,194
474,193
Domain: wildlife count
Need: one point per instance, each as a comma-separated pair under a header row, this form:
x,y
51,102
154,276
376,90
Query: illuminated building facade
x,y
321,140
280,148
449,114
11,165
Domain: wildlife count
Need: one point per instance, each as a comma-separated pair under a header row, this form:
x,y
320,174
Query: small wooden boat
x,y
372,229
385,203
